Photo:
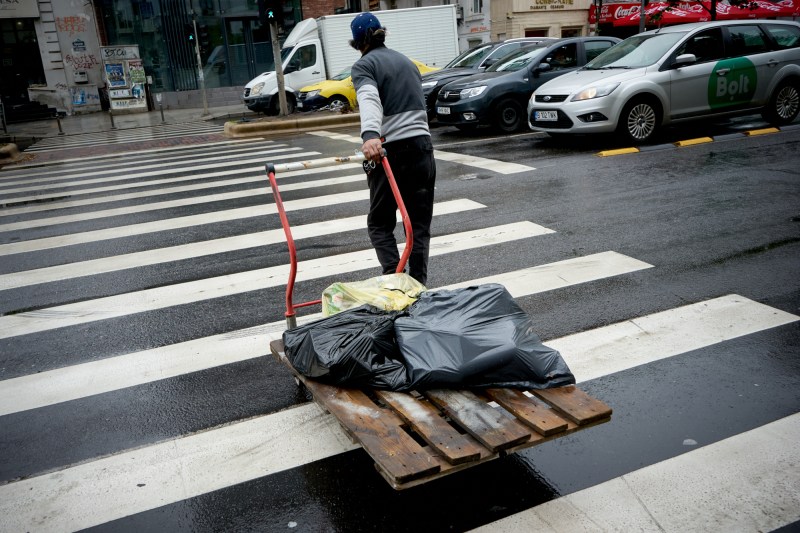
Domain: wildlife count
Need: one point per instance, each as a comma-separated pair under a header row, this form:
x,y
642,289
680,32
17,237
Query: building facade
x,y
79,56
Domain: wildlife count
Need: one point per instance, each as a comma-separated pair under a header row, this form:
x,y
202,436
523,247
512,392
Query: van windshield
x,y
636,52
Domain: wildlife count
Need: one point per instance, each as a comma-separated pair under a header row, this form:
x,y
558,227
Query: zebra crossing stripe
x,y
5,171
170,204
198,249
153,183
139,480
194,291
742,483
50,206
55,386
110,140
178,222
283,154
162,164
501,167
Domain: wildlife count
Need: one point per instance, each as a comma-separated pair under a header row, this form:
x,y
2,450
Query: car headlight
x,y
595,91
429,84
472,92
312,94
256,89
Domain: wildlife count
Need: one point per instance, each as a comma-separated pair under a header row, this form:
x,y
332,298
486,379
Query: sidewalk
x,y
242,122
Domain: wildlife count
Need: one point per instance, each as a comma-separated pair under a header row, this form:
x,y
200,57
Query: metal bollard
x,y
161,107
110,114
58,119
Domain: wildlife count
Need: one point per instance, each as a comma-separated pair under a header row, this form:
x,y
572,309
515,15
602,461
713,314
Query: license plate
x,y
443,110
299,105
546,115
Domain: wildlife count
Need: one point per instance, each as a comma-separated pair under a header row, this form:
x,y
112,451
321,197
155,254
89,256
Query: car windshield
x,y
635,52
517,60
470,58
343,75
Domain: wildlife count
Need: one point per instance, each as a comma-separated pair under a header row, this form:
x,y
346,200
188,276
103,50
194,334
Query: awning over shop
x,y
628,14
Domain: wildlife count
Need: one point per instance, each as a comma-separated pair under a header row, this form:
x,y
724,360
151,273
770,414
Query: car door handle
x,y
315,72
723,71
772,63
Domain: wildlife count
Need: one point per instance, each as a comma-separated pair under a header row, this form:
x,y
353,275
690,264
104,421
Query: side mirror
x,y
290,68
489,62
543,67
684,59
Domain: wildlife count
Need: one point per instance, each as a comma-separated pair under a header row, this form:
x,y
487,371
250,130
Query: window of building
x,y
535,32
570,32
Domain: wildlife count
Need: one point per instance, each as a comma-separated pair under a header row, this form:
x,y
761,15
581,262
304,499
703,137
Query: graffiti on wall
x,y
81,61
71,24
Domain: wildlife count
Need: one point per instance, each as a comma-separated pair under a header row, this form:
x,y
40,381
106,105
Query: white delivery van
x,y
318,48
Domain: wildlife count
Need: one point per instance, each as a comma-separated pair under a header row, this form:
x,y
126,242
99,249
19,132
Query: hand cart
x,y
418,437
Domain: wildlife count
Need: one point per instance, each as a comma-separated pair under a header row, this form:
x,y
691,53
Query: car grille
x,y
563,121
450,96
246,93
551,98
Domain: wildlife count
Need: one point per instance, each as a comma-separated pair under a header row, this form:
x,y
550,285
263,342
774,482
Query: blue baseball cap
x,y
361,24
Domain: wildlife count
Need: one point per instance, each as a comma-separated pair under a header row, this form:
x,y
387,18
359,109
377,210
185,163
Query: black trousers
x,y
414,170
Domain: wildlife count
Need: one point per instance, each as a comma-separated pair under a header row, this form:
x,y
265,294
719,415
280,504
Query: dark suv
x,y
499,95
474,60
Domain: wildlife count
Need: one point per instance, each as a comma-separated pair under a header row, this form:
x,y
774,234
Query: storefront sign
x,y
10,9
119,93
130,103
539,5
629,14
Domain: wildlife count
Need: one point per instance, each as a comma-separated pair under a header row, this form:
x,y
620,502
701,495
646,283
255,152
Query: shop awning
x,y
628,14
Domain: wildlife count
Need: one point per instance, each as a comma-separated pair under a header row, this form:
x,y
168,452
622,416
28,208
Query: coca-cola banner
x,y
628,14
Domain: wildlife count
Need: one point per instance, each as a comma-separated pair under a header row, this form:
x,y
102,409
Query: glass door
x,y
249,49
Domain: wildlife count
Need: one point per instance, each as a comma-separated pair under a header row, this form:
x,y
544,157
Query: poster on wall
x,y
115,75
136,71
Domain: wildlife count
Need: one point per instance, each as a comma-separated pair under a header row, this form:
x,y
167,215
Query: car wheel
x,y
338,103
784,104
509,116
276,105
639,120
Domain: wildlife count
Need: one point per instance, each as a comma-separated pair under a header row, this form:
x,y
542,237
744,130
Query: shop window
x,y
534,32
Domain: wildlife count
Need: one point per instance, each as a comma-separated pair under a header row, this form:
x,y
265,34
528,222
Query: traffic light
x,y
269,10
188,33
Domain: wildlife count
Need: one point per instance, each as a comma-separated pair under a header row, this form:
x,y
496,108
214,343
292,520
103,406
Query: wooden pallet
x,y
415,438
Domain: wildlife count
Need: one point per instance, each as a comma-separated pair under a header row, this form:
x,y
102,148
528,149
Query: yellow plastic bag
x,y
390,292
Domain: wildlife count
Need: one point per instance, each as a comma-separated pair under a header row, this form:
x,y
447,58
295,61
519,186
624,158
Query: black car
x,y
499,96
474,60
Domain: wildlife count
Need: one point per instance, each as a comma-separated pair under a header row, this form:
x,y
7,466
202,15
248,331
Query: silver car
x,y
675,74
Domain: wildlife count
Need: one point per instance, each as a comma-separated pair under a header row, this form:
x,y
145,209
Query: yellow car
x,y
337,92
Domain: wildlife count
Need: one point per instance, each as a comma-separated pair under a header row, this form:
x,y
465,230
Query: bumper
x,y
310,104
255,103
583,118
464,112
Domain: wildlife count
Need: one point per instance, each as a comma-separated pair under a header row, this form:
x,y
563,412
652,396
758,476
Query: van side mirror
x,y
290,68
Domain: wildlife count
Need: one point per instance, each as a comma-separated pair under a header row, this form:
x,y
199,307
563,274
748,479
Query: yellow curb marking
x,y
762,131
691,142
620,151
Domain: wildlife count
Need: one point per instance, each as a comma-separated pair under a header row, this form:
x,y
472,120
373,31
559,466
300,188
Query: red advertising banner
x,y
628,14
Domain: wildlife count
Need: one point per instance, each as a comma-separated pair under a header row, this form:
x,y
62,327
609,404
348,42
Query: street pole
x,y
642,16
200,75
276,53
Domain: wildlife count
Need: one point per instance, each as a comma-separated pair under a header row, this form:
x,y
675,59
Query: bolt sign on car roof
x,y
677,74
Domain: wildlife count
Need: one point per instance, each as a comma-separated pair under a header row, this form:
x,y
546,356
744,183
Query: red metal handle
x,y
291,318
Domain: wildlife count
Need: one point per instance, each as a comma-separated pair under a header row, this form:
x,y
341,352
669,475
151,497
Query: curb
x,y
256,129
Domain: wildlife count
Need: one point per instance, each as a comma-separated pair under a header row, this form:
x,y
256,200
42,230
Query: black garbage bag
x,y
353,348
475,337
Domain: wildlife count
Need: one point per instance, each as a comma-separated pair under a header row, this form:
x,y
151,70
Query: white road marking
x,y
194,291
494,165
747,482
198,249
135,481
60,385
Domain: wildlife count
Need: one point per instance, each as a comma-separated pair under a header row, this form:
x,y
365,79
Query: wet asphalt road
x,y
713,219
